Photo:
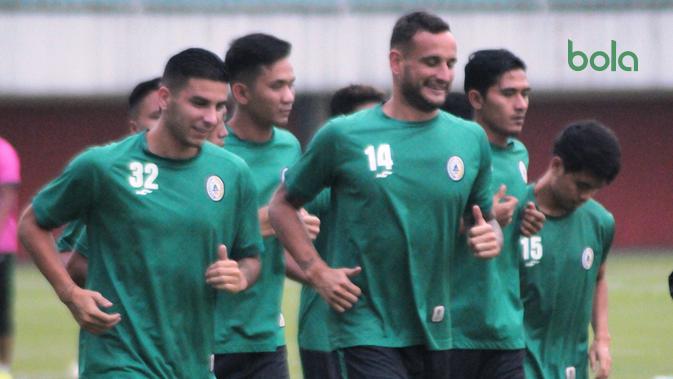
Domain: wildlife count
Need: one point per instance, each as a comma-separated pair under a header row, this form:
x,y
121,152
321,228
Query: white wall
x,y
104,54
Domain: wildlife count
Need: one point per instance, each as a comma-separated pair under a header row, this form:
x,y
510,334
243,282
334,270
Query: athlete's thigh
x,y
319,364
422,363
232,365
372,362
263,365
272,365
466,363
503,364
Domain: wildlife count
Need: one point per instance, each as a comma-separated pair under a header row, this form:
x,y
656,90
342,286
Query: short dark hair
x,y
248,54
408,25
485,67
588,145
193,63
458,105
140,91
347,99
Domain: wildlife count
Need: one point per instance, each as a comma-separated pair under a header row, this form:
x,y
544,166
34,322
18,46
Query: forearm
x,y
599,316
292,269
250,268
264,224
77,267
39,243
292,234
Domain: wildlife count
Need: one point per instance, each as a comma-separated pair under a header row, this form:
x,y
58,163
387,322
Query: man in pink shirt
x,y
9,194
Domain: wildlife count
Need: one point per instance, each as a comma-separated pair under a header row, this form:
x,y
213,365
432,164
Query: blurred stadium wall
x,y
67,65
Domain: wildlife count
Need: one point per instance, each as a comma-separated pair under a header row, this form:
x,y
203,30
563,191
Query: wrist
x,y
65,293
603,338
313,270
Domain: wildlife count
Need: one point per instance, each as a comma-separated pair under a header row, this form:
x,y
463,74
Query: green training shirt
x,y
398,192
486,309
251,321
153,227
559,269
313,310
73,238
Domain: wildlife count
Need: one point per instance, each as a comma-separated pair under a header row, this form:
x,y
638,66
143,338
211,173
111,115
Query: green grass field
x,y
641,321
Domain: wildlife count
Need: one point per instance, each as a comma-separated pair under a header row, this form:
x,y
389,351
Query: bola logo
x,y
524,171
600,60
587,258
455,168
215,188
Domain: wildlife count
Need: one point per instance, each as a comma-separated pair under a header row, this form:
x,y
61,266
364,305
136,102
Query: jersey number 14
x,y
379,157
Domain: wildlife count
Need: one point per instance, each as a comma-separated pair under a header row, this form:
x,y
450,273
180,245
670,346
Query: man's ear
x,y
164,97
240,92
475,99
133,126
395,58
556,165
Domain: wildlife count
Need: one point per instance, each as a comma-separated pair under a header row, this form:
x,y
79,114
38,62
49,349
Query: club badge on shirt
x,y
587,258
215,188
455,168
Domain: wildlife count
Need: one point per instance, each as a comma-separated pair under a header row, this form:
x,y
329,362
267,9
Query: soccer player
x,y
250,340
318,361
73,239
144,109
169,220
486,309
10,178
563,270
402,175
143,115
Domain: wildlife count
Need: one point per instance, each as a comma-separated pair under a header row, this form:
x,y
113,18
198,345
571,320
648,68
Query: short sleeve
x,y
319,206
608,231
70,195
74,238
315,169
481,190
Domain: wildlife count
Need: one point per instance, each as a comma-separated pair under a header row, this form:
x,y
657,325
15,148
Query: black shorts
x,y
319,364
266,365
6,294
412,362
487,364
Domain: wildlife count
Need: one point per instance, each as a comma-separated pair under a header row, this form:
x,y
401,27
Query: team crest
x,y
587,258
524,171
215,188
455,168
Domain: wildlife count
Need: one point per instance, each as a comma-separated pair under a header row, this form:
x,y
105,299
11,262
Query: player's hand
x,y
311,223
532,220
335,286
225,274
600,359
504,206
85,307
482,238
